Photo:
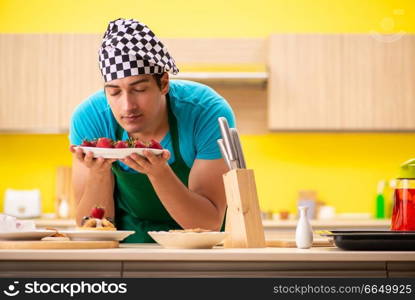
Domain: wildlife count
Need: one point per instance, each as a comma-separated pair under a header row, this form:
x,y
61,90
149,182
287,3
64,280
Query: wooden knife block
x,y
243,217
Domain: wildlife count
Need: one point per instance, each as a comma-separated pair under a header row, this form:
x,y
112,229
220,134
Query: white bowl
x,y
117,153
188,240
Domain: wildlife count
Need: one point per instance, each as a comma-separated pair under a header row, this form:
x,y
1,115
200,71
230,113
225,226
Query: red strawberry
x,y
104,143
154,145
86,143
139,144
98,212
121,144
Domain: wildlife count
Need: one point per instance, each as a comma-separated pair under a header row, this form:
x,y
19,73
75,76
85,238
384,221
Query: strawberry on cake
x,y
96,221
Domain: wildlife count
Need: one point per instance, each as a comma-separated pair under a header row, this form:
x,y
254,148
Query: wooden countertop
x,y
268,224
334,223
153,252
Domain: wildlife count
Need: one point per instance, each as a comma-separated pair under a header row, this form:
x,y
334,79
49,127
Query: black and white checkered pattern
x,y
130,48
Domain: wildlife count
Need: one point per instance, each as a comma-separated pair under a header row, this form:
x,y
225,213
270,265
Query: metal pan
x,y
373,240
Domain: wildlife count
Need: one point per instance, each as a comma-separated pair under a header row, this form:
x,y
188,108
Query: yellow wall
x,y
343,168
30,161
214,18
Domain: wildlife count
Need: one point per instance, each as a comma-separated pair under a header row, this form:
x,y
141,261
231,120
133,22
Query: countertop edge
x,y
218,254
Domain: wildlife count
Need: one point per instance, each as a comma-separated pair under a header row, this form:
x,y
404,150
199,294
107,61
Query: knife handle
x,y
227,139
224,153
238,147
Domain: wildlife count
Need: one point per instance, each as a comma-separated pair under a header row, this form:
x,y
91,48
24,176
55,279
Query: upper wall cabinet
x,y
315,82
43,77
341,82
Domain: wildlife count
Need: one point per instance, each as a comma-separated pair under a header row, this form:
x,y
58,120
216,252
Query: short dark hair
x,y
157,78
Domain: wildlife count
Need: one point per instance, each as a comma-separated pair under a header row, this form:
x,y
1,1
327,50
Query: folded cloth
x,y
12,224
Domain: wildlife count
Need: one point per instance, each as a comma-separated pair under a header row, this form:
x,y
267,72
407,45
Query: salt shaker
x,y
63,209
303,232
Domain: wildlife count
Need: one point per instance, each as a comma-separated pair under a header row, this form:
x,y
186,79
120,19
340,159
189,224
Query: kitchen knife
x,y
224,153
228,141
238,147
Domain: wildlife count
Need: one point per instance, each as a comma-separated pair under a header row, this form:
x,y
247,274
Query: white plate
x,y
25,235
97,235
188,240
117,153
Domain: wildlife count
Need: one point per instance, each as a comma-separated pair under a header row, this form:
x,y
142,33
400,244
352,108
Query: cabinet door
x,y
43,77
80,74
28,93
341,82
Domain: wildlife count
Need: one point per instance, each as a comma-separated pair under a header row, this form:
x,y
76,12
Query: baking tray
x,y
372,240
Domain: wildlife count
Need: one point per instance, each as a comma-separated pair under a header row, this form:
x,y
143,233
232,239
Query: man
x,y
183,187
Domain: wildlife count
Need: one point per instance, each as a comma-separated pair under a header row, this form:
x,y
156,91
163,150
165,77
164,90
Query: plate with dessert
x,y
107,148
13,229
96,227
196,238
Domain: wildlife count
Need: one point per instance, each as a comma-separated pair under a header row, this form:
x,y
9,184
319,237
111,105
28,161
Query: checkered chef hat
x,y
130,48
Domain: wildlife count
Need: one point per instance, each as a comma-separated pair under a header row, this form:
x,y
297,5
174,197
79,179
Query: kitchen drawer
x,y
59,269
253,269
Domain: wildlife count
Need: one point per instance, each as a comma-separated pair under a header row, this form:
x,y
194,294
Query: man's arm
x,y
202,204
93,184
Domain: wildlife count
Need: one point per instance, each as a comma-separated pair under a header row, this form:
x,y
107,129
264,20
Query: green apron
x,y
137,206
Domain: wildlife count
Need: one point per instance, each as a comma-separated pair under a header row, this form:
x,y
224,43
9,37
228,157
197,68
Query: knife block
x,y
243,217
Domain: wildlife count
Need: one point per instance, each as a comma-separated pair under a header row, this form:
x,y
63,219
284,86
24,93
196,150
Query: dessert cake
x,y
96,221
56,236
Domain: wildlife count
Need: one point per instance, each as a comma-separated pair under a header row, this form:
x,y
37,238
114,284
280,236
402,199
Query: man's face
x,y
136,101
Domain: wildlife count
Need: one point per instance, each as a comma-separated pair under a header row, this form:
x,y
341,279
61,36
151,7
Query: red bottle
x,y
403,215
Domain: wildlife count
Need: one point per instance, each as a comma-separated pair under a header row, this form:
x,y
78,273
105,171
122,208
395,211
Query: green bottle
x,y
380,201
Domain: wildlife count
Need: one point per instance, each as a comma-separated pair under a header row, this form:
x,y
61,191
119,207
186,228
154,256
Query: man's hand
x,y
152,165
96,165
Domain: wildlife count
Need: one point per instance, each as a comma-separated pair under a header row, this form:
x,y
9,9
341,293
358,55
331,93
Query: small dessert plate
x,y
97,235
